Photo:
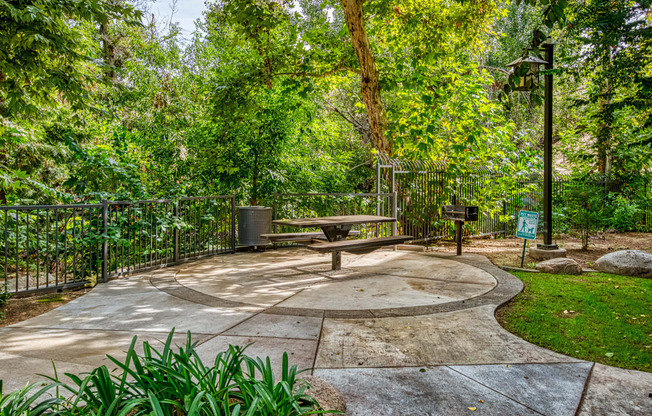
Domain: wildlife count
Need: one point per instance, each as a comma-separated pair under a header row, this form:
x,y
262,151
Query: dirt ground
x,y
507,251
20,309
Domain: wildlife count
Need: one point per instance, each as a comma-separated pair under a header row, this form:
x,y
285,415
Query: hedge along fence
x,y
594,201
63,246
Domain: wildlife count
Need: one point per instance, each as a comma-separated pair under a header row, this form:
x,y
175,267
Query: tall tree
x,y
46,51
369,78
613,43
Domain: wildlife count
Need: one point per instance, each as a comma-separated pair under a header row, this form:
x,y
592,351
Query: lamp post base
x,y
547,252
547,246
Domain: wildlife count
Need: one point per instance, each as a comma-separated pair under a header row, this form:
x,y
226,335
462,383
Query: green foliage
x,y
626,214
265,96
47,51
29,400
600,317
609,46
171,382
4,297
586,211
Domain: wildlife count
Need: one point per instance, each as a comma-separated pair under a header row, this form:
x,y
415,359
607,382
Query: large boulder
x,y
626,262
561,265
326,395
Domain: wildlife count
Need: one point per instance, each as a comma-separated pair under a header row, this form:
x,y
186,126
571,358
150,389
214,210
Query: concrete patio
x,y
397,332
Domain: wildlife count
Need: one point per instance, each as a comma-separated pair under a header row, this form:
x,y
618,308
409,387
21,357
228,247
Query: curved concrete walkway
x,y
398,333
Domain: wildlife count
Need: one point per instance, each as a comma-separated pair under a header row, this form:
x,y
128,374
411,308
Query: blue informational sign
x,y
527,225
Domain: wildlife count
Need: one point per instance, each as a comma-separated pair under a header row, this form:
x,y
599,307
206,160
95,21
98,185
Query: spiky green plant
x,y
26,402
175,382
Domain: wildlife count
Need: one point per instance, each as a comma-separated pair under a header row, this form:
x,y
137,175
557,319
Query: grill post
x,y
458,236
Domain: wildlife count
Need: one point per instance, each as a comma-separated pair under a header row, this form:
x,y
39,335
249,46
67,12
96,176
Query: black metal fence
x,y
60,246
422,187
63,246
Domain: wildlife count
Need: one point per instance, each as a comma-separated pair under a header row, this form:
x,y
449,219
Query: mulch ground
x,y
19,309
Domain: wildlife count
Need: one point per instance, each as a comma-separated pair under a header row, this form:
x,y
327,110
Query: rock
x,y
627,262
325,394
561,265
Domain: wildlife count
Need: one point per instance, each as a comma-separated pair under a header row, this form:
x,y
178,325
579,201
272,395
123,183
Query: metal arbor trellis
x,y
422,187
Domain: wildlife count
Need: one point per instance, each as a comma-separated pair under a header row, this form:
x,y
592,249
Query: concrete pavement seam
x,y
584,391
258,313
507,286
447,365
496,391
321,330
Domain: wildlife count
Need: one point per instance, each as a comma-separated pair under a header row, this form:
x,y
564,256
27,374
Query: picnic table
x,y
336,229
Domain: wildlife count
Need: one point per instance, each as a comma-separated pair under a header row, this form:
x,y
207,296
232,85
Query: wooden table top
x,y
333,221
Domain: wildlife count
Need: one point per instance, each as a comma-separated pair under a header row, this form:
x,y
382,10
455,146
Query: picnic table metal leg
x,y
337,260
336,232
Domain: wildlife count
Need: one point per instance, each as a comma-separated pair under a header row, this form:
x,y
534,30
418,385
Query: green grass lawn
x,y
596,317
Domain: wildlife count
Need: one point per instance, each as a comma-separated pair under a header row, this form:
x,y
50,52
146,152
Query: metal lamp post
x,y
528,71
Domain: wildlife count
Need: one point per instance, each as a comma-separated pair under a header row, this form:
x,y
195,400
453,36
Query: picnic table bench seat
x,y
355,245
306,236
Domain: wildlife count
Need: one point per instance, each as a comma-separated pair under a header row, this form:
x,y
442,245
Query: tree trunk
x,y
605,118
369,74
253,200
108,50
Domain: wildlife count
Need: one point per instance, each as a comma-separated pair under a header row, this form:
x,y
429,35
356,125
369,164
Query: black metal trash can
x,y
252,222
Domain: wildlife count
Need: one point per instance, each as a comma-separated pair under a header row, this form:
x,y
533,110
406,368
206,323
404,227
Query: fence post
x,y
105,239
395,212
175,236
505,217
233,223
378,187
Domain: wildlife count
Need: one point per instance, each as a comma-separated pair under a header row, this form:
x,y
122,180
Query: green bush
x,y
171,382
626,214
561,219
4,297
586,212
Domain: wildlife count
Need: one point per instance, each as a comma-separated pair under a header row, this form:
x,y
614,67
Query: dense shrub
x,y
626,214
170,382
4,297
586,212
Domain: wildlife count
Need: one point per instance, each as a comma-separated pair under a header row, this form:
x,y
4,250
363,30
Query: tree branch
x,y
320,75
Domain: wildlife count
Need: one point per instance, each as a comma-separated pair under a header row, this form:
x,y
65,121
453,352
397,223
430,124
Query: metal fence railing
x,y
323,204
423,187
51,246
62,246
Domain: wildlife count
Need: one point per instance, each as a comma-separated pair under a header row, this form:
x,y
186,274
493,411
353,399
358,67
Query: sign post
x,y
459,214
527,228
